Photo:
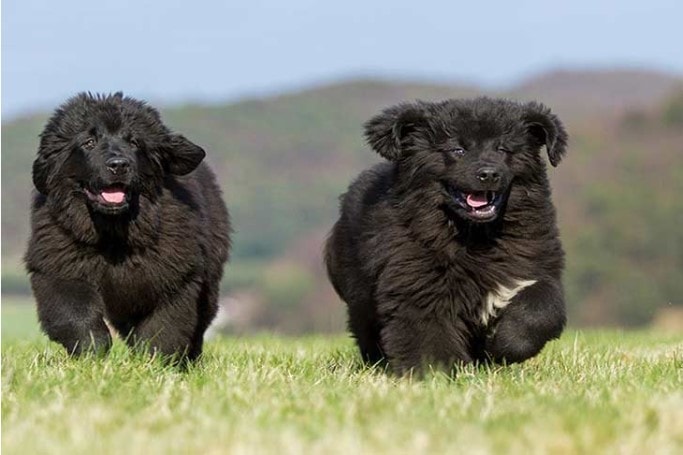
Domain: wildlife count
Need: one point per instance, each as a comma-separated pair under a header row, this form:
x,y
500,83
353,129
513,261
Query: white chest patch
x,y
500,298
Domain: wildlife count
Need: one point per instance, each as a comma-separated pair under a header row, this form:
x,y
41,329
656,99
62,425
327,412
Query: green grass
x,y
590,392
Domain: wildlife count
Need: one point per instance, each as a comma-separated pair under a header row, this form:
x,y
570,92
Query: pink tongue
x,y
113,197
477,200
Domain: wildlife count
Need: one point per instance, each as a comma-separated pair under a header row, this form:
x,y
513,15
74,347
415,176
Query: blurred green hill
x,y
283,161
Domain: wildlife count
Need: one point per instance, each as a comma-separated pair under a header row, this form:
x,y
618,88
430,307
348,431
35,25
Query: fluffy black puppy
x,y
449,253
128,224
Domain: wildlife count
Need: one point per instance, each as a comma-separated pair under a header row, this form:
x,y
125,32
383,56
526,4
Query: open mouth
x,y
110,197
479,205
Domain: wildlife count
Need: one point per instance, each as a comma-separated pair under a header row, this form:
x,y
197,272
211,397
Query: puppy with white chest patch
x,y
449,252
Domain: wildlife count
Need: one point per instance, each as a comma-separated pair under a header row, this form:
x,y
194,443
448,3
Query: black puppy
x,y
128,224
449,253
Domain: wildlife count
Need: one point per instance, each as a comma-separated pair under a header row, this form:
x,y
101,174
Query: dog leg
x,y
533,317
170,330
364,326
414,344
71,313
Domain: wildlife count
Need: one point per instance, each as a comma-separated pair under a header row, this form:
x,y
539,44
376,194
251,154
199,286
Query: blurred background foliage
x,y
283,162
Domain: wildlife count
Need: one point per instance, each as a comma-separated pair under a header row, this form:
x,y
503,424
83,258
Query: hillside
x,y
602,90
283,162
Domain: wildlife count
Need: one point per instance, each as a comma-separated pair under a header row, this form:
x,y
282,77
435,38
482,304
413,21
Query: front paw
x,y
514,341
78,338
534,317
95,343
79,341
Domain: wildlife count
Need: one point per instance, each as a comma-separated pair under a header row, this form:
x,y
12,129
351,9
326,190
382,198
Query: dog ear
x,y
183,156
47,162
389,132
546,129
42,168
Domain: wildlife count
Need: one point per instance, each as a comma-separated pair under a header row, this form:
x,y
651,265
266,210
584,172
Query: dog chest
x,y
501,297
140,281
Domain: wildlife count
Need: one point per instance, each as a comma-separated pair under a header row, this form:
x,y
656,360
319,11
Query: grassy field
x,y
590,392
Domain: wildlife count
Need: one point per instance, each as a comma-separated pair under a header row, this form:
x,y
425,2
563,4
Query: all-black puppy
x,y
128,224
449,253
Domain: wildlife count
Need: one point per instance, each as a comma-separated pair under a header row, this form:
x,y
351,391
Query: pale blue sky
x,y
173,51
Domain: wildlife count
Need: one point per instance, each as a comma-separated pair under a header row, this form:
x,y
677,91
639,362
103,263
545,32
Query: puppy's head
x,y
468,153
107,150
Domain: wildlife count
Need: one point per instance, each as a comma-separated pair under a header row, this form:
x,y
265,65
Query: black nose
x,y
117,165
488,175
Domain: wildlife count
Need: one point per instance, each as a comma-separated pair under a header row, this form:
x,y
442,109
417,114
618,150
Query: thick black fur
x,y
150,263
415,264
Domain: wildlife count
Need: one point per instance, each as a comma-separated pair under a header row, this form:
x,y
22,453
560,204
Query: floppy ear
x,y
546,129
42,167
183,156
47,161
388,132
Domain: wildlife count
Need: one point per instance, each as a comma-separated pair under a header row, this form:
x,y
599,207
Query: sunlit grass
x,y
590,392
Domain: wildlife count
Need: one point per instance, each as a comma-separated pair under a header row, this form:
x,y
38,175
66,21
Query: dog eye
x,y
503,150
134,143
457,151
89,144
